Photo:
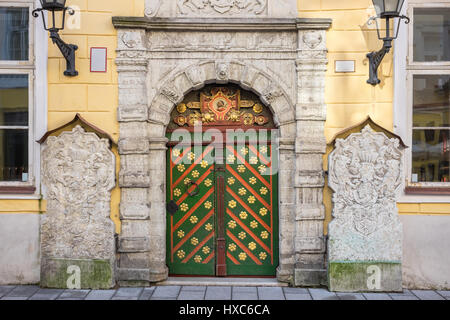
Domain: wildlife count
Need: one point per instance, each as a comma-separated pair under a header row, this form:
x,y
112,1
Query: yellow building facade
x,y
349,101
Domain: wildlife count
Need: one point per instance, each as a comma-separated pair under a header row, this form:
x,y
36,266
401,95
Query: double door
x,y
222,216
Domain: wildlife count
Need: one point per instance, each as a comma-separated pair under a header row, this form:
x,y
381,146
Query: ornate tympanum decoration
x,y
221,106
365,171
78,174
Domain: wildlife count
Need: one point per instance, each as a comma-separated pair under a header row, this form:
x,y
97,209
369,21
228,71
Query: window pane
x,y
431,34
13,100
13,155
431,105
430,155
13,33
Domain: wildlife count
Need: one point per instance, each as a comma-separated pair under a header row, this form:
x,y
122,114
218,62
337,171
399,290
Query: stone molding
x,y
288,76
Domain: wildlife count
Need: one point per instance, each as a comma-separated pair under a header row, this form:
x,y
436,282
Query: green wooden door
x,y
191,229
251,218
227,222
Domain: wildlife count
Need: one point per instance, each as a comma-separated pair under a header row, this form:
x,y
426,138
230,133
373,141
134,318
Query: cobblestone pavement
x,y
209,293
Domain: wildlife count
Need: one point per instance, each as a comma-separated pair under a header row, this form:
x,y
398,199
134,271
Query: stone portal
x,y
261,46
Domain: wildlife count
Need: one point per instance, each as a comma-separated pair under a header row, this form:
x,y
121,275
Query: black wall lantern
x,y
389,10
67,50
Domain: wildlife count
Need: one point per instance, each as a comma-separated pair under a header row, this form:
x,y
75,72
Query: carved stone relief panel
x,y
221,8
365,171
78,172
213,41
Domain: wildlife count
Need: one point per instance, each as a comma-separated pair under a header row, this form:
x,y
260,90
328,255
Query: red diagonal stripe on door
x,y
245,184
199,203
181,156
260,156
192,188
246,207
249,167
196,162
208,259
191,233
232,258
243,226
198,247
247,251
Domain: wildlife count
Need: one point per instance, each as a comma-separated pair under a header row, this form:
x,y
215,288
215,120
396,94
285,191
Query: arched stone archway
x,y
155,74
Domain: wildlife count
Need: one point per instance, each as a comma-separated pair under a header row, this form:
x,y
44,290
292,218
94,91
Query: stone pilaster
x,y
310,145
134,149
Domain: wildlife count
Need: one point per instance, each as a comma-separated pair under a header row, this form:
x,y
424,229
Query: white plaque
x,y
344,66
99,58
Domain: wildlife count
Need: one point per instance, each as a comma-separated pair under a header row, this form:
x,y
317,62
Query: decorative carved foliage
x,y
131,40
312,39
152,7
365,171
212,41
78,172
222,7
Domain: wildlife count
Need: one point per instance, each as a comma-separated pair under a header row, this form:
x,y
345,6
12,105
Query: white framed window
x,y
422,101
22,99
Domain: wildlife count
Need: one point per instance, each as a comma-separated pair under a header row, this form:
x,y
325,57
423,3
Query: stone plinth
x,y
365,236
77,235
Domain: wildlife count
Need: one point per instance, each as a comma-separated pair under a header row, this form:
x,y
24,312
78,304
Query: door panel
x,y
251,211
191,230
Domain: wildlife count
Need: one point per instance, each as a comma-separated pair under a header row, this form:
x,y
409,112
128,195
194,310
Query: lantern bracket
x,y
376,57
67,50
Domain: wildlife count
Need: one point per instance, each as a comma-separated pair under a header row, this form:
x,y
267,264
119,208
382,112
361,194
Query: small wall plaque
x,y
99,59
344,66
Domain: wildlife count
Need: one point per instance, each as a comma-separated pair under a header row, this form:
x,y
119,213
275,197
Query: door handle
x,y
196,190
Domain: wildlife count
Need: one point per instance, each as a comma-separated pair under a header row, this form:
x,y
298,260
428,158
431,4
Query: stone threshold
x,y
229,282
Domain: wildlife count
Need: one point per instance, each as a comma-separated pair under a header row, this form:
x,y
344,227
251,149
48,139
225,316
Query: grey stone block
x,y
128,292
268,293
100,295
350,296
166,292
244,296
4,290
353,276
124,298
218,293
193,288
322,294
290,296
191,295
47,294
310,277
427,295
94,273
377,296
147,293
244,289
73,294
23,291
295,291
445,294
14,298
403,297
